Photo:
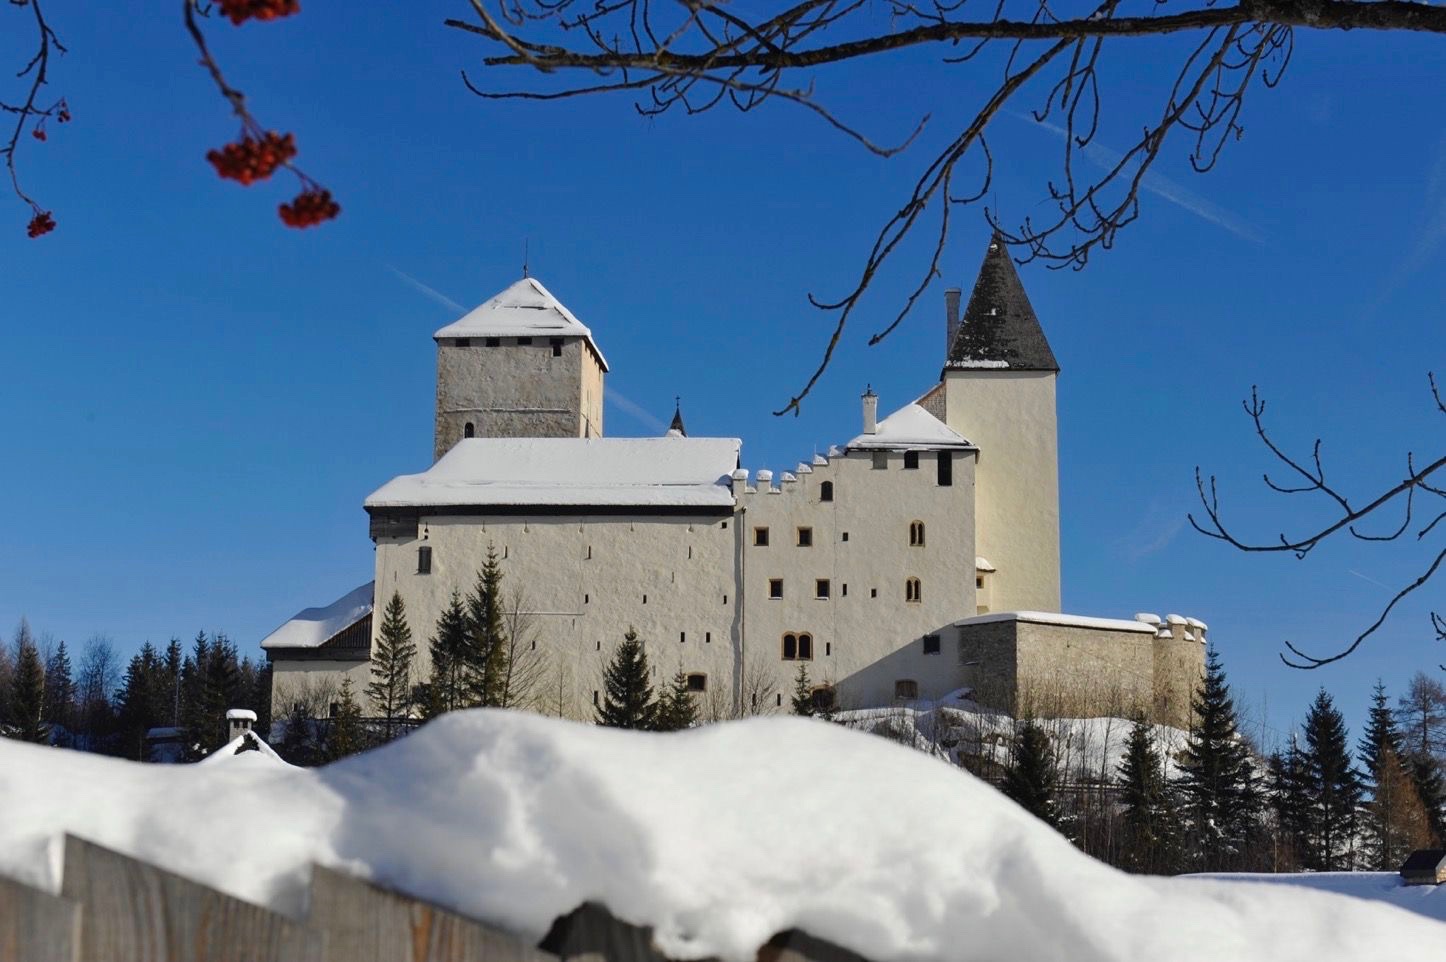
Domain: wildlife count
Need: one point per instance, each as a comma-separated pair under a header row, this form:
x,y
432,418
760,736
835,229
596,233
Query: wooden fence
x,y
113,908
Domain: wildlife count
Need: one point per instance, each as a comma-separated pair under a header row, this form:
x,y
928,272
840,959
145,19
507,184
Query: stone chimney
x,y
239,722
871,411
951,319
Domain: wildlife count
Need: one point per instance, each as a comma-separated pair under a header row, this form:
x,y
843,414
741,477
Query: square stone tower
x,y
519,366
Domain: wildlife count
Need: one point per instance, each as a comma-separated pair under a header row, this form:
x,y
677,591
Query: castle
x,y
919,558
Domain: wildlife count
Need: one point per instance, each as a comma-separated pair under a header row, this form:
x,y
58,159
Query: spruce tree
x,y
347,735
1381,732
802,692
1425,774
391,684
27,692
628,698
446,689
1144,796
144,701
1030,779
676,710
1220,805
1333,788
486,647
59,689
1289,800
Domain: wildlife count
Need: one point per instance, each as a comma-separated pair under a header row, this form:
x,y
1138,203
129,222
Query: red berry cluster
x,y
41,223
308,208
38,133
251,159
239,11
64,115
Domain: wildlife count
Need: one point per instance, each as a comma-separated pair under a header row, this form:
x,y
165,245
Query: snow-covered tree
x,y
1030,777
391,686
1220,806
627,696
676,709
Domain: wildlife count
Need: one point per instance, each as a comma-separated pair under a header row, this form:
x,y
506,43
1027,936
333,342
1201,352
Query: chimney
x,y
951,319
238,722
871,411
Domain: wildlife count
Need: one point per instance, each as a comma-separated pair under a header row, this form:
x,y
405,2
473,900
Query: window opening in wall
x,y
790,647
424,560
911,460
589,553
845,590
946,469
584,599
822,698
805,647
492,341
524,341
821,589
334,709
931,644
463,342
845,536
979,581
760,537
725,599
599,646
916,534
645,599
682,637
805,537
707,637
873,592
697,682
556,347
594,696
913,590
828,648
881,460
468,431
504,552
690,552
780,701
534,646
906,688
775,587
825,491
725,526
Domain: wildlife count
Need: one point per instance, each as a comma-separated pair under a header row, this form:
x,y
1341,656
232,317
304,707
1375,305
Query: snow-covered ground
x,y
720,837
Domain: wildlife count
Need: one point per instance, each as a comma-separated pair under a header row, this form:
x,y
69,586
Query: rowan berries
x,y
64,112
308,208
38,133
41,223
239,11
251,159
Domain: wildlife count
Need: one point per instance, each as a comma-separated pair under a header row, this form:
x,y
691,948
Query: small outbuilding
x,y
1425,866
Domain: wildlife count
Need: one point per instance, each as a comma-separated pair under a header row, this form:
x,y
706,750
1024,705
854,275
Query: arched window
x,y
825,491
916,534
790,647
805,647
913,590
906,688
468,431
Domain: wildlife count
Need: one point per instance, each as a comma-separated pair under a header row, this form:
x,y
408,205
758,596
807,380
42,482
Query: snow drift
x,y
719,837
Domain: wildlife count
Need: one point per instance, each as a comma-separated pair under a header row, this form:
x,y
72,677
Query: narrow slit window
x,y
707,637
682,637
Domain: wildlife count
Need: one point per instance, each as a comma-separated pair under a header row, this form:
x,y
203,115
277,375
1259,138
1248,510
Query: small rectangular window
x,y
979,581
873,592
594,696
492,341
775,587
524,341
828,647
906,689
946,469
463,342
760,537
911,460
725,599
821,589
682,637
645,599
845,590
881,460
424,560
697,682
805,537
584,599
931,644
556,347
845,536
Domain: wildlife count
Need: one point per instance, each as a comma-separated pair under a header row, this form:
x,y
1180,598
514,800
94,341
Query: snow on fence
x,y
119,909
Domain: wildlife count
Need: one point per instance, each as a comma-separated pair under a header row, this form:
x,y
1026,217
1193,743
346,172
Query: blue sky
x,y
196,400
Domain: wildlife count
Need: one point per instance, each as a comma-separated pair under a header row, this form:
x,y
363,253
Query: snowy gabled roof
x,y
910,428
314,627
526,309
1055,618
582,472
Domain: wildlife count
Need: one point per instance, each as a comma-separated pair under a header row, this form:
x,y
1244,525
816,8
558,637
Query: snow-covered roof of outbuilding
x,y
526,309
911,428
314,627
1055,618
582,472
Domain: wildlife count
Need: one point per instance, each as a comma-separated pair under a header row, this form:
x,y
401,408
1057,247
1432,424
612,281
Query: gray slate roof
x,y
999,329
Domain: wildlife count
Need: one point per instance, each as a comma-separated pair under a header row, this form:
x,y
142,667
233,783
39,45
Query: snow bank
x,y
719,836
1427,900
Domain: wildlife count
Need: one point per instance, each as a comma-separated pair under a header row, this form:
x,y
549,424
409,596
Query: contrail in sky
x,y
1159,185
619,400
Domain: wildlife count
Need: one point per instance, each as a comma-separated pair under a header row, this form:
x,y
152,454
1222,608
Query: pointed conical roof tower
x,y
676,428
999,328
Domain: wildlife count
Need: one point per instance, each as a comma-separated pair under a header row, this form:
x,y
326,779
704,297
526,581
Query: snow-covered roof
x,y
981,563
242,714
313,627
1055,618
586,472
526,309
910,428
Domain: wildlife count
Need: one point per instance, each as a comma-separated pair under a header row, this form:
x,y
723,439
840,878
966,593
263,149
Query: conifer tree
x,y
486,647
1333,788
391,685
446,687
59,689
1381,732
144,701
1148,814
1220,805
802,692
347,735
628,698
1425,772
1396,822
27,691
676,710
1030,778
1289,799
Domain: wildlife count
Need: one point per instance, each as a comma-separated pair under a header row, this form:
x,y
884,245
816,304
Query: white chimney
x,y
871,411
238,722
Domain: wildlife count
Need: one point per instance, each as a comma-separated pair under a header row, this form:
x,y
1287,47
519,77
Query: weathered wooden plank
x,y
134,912
36,926
367,923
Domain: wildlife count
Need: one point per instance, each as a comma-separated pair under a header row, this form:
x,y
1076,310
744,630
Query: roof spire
x,y
677,425
524,258
999,328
